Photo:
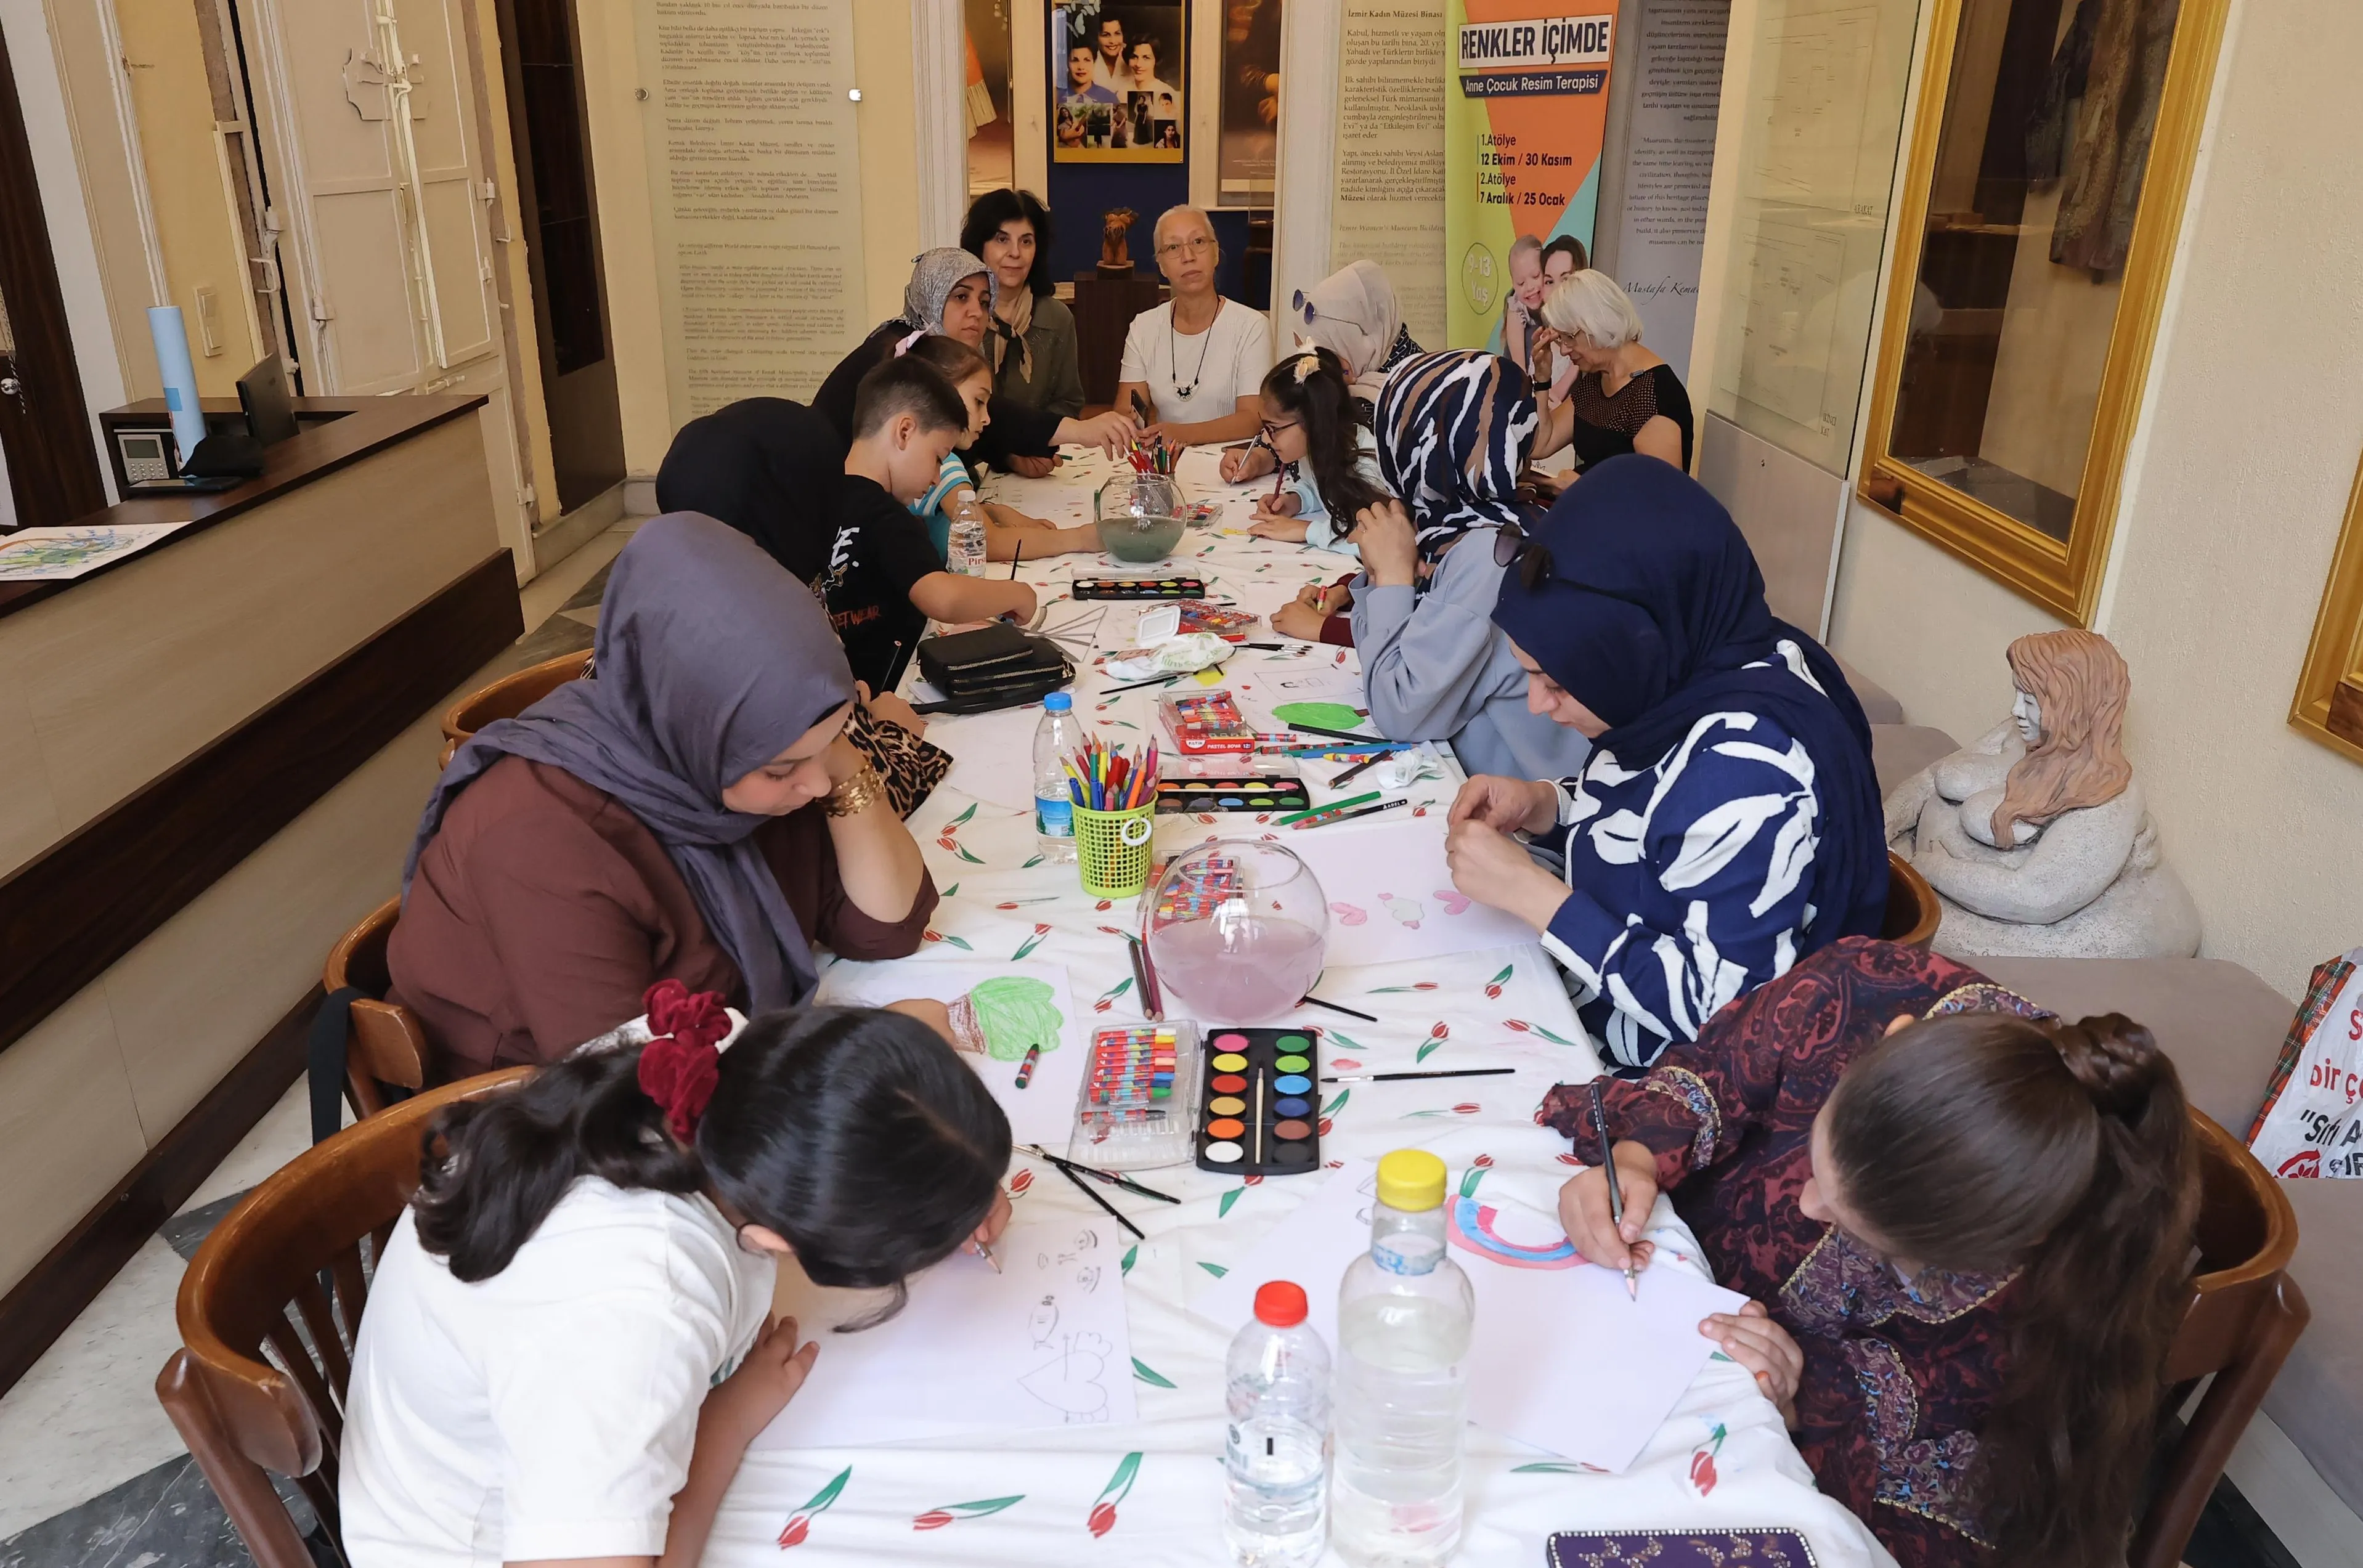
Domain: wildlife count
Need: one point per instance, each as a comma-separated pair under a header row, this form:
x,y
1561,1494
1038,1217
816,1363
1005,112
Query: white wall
x,y
2237,484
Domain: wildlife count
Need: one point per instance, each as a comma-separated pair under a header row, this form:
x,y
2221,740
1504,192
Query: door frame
x,y
53,471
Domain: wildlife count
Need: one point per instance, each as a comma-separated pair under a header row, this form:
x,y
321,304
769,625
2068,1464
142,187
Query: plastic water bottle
x,y
1058,736
964,549
1405,1312
1275,1461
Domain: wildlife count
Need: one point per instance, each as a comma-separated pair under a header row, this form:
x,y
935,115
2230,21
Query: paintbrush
x,y
1085,1188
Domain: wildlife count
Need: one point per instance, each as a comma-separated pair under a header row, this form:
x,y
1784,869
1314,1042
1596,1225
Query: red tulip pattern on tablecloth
x,y
952,1513
1703,1475
1102,1519
1436,1037
1494,987
1525,1028
800,1523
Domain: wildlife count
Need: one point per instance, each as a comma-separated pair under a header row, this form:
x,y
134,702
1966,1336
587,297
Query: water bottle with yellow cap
x,y
1405,1312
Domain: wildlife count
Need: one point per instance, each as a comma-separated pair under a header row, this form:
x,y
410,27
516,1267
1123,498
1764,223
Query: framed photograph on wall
x,y
1250,103
1117,73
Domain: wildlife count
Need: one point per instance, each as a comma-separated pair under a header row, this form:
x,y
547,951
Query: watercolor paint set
x,y
1139,588
1137,1109
1207,723
1261,1113
1258,792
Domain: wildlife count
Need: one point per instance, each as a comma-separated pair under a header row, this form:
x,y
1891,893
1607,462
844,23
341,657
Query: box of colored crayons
x,y
1137,1106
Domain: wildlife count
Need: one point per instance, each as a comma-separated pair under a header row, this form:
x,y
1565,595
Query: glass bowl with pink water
x,y
1238,930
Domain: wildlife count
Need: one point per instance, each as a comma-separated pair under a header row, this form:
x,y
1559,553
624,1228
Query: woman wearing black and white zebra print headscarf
x,y
1453,432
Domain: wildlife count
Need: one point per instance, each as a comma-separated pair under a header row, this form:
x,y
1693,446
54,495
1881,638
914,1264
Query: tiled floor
x,y
92,1473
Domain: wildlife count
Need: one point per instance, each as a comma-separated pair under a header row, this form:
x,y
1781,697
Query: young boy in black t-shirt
x,y
883,580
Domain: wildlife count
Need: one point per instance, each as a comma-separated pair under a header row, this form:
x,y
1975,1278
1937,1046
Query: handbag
x,y
992,667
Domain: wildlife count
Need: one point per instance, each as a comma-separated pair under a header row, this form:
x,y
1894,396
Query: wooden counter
x,y
212,756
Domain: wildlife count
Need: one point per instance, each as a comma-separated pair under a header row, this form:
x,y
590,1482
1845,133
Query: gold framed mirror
x,y
2328,706
2040,203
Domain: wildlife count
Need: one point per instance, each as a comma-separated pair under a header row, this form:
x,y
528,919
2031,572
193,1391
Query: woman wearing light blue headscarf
x,y
1453,431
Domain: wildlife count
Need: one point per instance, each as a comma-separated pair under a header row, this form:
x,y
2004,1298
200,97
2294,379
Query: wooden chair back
x,y
1911,907
385,1044
508,697
259,1383
2245,1312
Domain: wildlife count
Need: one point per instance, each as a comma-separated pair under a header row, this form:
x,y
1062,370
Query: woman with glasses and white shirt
x,y
1194,365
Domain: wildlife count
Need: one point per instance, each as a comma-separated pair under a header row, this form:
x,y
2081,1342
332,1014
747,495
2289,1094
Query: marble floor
x,y
92,1473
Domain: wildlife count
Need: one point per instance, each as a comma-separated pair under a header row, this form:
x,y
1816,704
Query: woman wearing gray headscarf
x,y
691,812
951,292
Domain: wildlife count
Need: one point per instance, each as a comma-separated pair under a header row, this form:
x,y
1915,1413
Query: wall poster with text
x,y
1525,108
1116,81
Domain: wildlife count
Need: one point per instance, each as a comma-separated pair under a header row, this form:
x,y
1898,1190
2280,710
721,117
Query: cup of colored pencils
x,y
1114,796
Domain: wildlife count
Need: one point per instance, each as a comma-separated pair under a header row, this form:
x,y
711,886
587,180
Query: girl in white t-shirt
x,y
565,1351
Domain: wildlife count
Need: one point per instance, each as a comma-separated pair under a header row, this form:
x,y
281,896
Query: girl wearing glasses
x,y
1312,428
1727,823
1352,314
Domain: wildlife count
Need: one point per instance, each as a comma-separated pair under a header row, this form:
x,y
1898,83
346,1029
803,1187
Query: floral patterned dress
x,y
1898,1375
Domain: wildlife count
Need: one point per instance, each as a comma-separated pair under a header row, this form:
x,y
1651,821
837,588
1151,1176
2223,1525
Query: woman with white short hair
x,y
1624,398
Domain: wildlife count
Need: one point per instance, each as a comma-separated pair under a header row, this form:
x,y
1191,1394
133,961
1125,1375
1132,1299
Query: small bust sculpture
x,y
2035,837
1116,253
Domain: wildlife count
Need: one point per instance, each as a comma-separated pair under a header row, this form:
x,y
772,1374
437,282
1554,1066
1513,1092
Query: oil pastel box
x,y
1261,1112
1125,1118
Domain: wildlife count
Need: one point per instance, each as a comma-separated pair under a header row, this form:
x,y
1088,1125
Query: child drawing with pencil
x,y
567,1346
1323,450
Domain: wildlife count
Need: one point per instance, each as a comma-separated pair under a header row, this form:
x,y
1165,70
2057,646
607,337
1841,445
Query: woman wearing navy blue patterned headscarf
x,y
1453,429
1727,823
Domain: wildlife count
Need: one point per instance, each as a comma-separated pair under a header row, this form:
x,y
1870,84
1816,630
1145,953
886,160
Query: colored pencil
x,y
1355,770
1333,734
1616,1188
1440,1073
1295,817
1016,556
1335,814
1144,977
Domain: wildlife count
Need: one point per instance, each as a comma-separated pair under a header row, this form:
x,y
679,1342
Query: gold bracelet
x,y
856,795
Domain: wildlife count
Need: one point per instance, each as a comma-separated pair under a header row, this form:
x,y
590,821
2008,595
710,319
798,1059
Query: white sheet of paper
x,y
1043,1343
1201,472
1058,500
1263,692
1390,894
1044,1111
992,753
1563,1358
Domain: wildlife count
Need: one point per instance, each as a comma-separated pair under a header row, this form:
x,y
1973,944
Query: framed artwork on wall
x,y
1250,103
2038,207
1117,81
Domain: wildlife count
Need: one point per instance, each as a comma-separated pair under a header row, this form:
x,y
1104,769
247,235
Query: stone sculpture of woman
x,y
2035,837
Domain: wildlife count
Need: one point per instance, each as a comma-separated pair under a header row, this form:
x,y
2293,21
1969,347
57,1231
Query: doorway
x,y
45,433
547,124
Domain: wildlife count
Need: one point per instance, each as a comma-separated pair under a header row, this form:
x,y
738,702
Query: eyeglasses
x,y
1274,427
1514,546
1196,245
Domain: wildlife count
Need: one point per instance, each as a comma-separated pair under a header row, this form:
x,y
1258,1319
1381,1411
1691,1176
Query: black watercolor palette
x,y
1260,1114
1139,588
1258,792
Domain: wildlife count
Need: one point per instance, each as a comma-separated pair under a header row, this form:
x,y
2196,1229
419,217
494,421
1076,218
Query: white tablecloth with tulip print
x,y
1151,1493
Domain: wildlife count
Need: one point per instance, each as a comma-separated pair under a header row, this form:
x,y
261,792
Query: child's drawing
x,y
1349,914
1407,912
1043,1322
1320,715
51,554
1475,1228
1075,1381
1454,902
1012,1012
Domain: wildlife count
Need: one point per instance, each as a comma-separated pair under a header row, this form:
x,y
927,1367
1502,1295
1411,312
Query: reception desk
x,y
212,756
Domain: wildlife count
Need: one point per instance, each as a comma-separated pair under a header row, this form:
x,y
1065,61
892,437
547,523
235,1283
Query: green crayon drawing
x,y
1319,715
1013,1012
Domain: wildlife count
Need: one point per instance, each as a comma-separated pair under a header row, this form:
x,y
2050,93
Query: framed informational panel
x,y
1387,201
756,195
1118,75
1248,148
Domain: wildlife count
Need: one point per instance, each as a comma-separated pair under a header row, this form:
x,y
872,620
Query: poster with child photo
x,y
1117,75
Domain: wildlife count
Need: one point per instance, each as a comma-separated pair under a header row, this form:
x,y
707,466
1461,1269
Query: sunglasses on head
x,y
1303,307
1514,548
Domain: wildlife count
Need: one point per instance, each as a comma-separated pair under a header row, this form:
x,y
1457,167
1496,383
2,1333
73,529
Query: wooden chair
x,y
1911,907
257,1278
385,1045
508,697
2246,1313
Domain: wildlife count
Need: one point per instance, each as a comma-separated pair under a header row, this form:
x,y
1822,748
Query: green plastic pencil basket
x,y
1111,848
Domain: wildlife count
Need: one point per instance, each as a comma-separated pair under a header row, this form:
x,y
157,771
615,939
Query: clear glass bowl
x,y
1238,930
1141,517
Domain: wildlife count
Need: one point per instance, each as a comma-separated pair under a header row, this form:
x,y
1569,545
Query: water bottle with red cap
x,y
1275,1457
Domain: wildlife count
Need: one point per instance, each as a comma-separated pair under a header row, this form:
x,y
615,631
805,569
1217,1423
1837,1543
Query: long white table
x,y
1150,1493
